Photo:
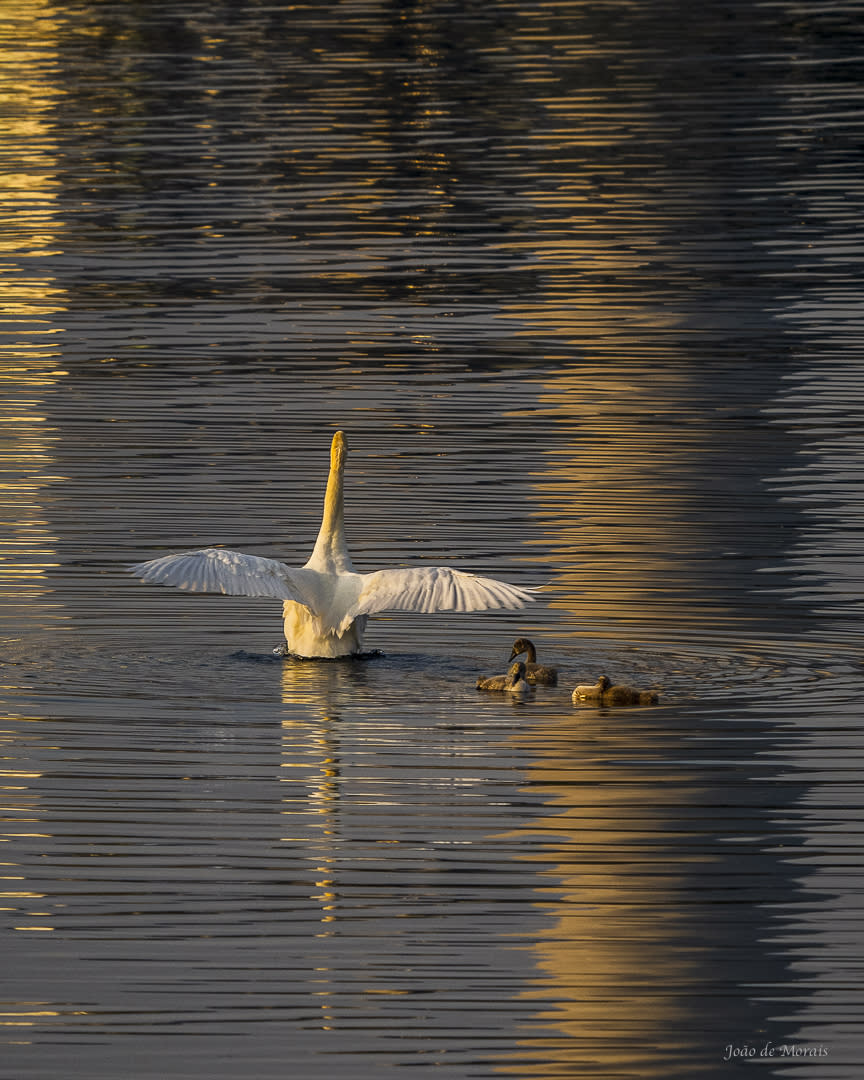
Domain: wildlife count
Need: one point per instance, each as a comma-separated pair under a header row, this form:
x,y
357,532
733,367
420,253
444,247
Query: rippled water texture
x,y
581,282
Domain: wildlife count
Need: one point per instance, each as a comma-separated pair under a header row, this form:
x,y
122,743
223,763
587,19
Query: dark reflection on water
x,y
581,283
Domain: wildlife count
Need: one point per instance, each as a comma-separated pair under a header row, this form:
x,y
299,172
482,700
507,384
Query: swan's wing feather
x,y
223,571
436,588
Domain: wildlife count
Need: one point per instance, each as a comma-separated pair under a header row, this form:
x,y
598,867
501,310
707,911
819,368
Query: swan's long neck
x,y
331,551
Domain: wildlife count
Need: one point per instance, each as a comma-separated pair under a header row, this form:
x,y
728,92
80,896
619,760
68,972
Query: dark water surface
x,y
582,284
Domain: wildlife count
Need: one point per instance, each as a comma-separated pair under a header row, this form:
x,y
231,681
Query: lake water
x,y
581,283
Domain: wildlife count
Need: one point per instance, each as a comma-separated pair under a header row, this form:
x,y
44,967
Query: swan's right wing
x,y
434,588
229,572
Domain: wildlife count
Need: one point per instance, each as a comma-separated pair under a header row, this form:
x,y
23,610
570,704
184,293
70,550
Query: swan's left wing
x,y
230,572
434,588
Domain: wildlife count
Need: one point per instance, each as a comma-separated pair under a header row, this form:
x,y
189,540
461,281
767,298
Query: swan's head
x,y
338,450
520,645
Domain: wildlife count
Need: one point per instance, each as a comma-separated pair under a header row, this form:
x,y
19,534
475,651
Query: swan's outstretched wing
x,y
223,571
434,588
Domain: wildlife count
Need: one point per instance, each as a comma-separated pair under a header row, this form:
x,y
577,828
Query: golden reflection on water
x,y
20,816
29,230
619,500
310,753
29,369
27,549
614,493
612,962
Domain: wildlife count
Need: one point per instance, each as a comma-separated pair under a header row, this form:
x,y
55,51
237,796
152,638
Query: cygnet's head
x,y
520,645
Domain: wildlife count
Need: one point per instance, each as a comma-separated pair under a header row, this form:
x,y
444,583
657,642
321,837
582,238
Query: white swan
x,y
326,603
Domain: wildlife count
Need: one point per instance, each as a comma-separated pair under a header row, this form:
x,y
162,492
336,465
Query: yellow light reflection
x,y
310,752
613,496
21,817
29,302
616,494
611,959
616,501
34,1012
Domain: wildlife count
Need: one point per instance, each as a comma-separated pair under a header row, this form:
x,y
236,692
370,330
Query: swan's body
x,y
325,604
513,682
604,693
534,672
